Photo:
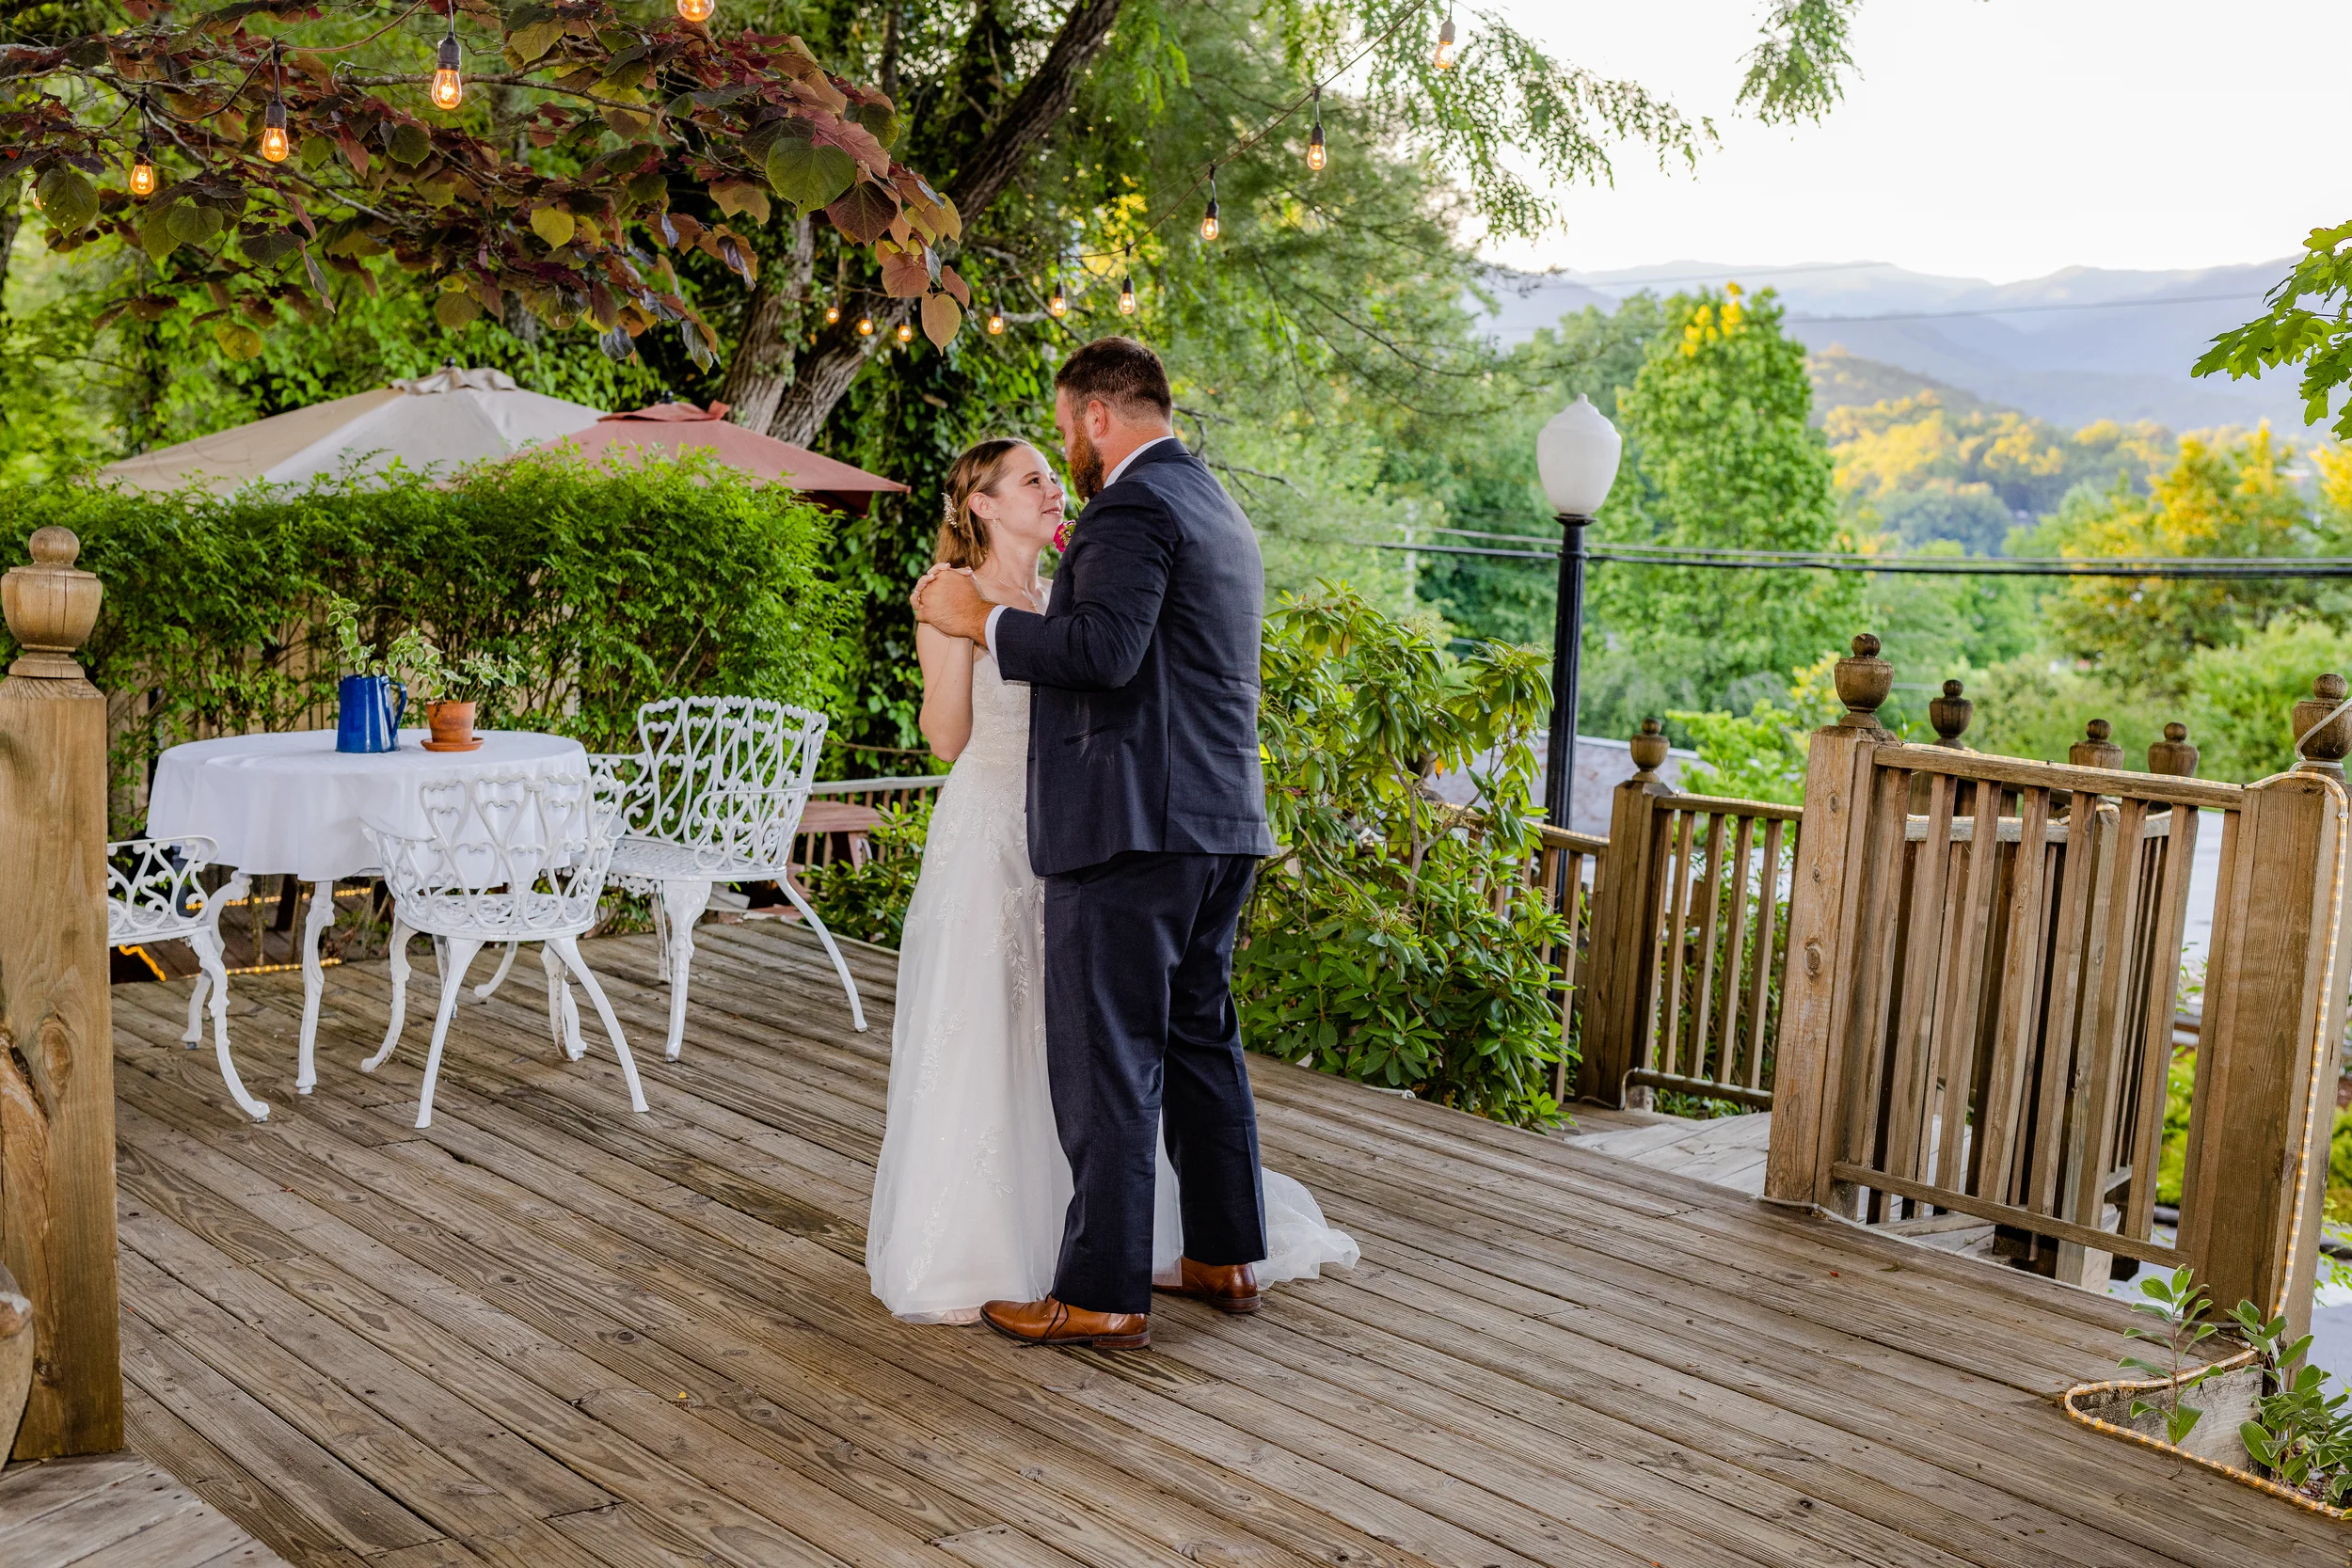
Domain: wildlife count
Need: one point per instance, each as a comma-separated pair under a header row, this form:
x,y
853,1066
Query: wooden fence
x,y
1979,998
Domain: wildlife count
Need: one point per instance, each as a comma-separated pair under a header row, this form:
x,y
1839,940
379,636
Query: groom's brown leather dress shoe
x,y
1054,1323
1231,1287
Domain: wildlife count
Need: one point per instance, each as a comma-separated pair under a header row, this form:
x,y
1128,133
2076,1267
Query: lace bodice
x,y
1000,720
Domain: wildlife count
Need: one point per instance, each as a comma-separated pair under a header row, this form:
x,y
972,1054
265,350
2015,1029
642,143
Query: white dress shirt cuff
x,y
988,631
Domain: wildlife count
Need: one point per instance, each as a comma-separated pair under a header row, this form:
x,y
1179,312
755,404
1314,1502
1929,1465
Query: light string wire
x,y
1290,112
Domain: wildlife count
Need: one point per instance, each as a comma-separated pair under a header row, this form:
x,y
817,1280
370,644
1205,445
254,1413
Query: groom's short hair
x,y
1120,373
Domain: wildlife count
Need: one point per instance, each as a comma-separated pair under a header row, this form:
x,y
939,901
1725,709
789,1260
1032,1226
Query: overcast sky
x,y
1993,138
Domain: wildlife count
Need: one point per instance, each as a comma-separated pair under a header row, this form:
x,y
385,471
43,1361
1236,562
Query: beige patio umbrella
x,y
450,417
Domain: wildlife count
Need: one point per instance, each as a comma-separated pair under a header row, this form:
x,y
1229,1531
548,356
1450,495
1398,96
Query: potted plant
x,y
452,691
449,689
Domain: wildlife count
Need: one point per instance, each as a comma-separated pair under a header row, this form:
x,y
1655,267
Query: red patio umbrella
x,y
678,427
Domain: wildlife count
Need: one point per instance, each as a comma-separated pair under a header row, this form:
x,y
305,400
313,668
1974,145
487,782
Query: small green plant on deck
x,y
2300,1432
2178,1303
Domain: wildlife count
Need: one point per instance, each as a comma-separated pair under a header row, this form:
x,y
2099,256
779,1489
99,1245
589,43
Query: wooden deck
x,y
549,1334
114,1510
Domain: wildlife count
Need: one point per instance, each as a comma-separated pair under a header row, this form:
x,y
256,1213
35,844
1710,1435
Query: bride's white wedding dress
x,y
971,1188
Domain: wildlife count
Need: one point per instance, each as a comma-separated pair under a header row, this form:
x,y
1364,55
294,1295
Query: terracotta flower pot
x,y
453,727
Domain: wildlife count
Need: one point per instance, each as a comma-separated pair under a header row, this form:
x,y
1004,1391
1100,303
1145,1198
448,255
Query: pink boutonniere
x,y
1062,533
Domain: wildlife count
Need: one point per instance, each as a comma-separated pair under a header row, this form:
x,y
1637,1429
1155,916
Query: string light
x,y
995,323
697,10
1445,44
276,144
1127,286
906,333
1058,303
143,171
832,314
1208,218
866,327
449,89
1316,156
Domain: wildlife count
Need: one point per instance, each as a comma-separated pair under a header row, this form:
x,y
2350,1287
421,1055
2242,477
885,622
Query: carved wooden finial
x,y
2323,748
2173,754
1649,749
1951,713
50,606
1863,682
2094,750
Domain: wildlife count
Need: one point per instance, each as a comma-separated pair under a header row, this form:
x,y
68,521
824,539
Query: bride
x,y
971,1188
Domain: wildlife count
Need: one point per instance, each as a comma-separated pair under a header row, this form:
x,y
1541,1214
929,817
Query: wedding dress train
x,y
971,1188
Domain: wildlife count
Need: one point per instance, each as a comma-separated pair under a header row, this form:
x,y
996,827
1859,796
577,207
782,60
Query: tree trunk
x,y
11,219
833,363
764,357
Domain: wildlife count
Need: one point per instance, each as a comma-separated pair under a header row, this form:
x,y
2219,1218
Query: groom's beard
x,y
1086,466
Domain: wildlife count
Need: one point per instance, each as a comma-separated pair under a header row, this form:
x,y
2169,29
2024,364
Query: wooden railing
x,y
1688,928
1978,999
1566,866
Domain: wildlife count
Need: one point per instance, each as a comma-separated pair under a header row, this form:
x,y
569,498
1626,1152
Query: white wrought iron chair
x,y
510,858
713,795
156,898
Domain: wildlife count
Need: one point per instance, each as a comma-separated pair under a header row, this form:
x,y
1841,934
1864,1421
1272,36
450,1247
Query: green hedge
x,y
613,587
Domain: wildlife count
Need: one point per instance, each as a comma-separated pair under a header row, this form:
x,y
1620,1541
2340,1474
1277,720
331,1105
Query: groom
x,y
1147,821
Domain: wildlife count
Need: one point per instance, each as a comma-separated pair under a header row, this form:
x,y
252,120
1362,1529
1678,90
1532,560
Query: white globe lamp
x,y
1576,454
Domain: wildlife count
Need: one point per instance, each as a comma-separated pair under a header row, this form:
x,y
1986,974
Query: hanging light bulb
x,y
1316,156
995,323
276,144
143,171
832,314
1127,286
697,10
866,327
1208,218
906,333
1058,303
1445,44
449,89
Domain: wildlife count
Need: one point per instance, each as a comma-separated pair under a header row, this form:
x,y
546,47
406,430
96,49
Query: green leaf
x,y
529,43
68,200
411,145
236,340
864,212
809,174
454,311
554,225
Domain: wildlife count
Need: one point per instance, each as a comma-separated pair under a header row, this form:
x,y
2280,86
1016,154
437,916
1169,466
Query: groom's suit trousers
x,y
1141,1033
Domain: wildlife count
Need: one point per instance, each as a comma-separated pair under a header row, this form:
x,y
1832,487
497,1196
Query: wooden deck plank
x,y
1551,1356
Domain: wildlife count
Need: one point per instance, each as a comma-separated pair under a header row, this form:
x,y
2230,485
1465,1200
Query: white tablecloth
x,y
291,802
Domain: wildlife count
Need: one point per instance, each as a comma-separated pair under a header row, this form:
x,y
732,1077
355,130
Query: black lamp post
x,y
1577,453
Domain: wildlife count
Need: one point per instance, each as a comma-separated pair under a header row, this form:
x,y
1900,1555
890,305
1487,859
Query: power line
x,y
1927,565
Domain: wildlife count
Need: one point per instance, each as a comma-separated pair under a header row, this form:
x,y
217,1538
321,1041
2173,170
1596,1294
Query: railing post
x,y
2266,1047
1625,927
56,1060
1823,927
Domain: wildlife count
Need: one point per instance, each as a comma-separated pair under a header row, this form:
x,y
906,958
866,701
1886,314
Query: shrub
x,y
1398,940
869,901
612,587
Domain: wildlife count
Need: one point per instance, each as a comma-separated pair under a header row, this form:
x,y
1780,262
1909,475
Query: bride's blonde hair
x,y
963,537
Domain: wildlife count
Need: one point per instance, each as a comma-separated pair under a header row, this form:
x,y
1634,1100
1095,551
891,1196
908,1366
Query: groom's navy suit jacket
x,y
1143,713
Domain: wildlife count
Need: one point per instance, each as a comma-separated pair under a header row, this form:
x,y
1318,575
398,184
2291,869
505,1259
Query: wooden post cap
x,y
2323,748
1862,683
1951,713
2173,754
50,605
1649,749
2094,750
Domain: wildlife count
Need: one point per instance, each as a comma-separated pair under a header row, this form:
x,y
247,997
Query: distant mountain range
x,y
2082,345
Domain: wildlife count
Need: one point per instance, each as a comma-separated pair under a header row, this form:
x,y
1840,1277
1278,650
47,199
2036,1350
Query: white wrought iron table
x,y
290,805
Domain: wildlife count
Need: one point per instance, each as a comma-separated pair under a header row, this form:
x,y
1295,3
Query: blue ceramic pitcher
x,y
369,720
